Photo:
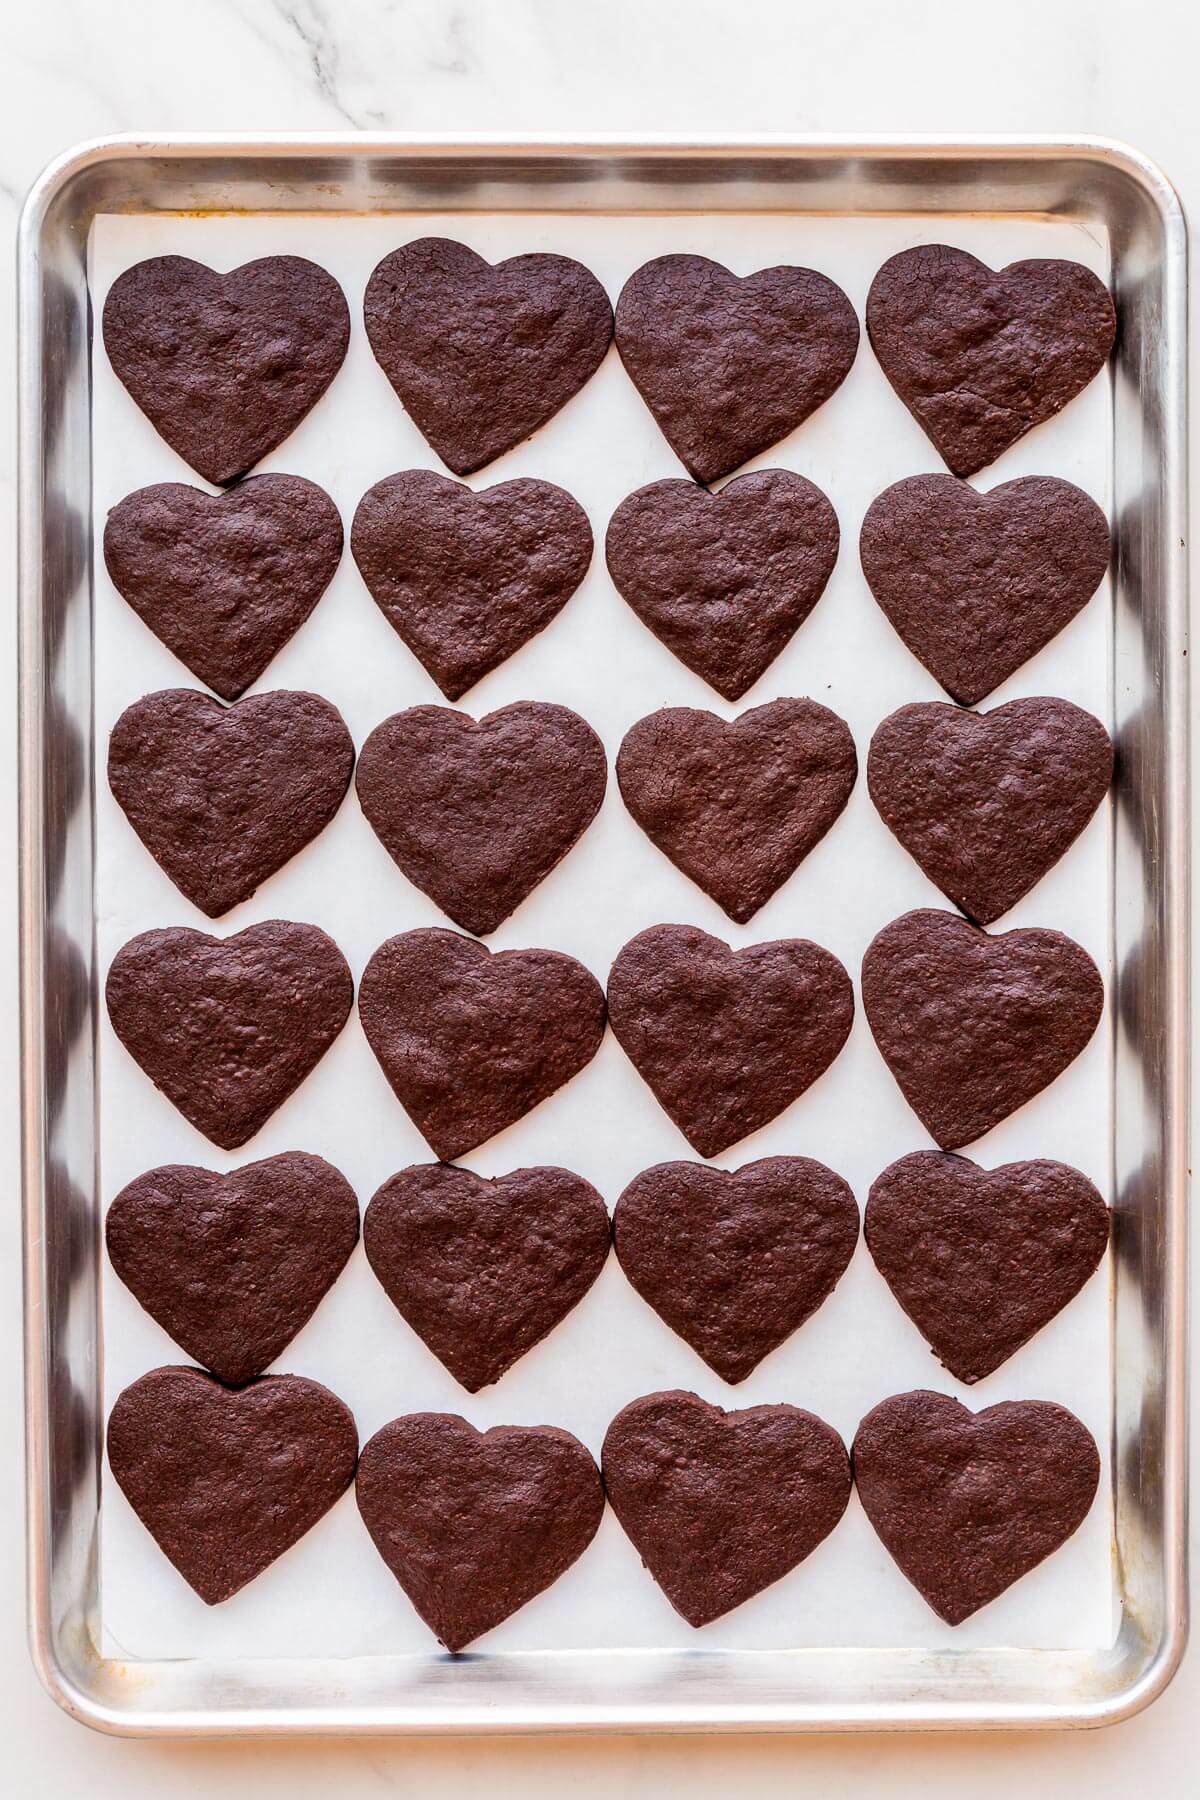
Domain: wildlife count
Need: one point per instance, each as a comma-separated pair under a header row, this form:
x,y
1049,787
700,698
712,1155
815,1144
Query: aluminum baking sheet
x,y
329,1605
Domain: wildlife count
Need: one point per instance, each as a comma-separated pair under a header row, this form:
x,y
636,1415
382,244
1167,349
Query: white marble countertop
x,y
73,69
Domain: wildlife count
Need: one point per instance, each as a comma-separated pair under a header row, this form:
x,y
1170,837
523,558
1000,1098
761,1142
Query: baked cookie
x,y
738,806
483,1270
720,1505
973,1026
476,815
976,584
471,1041
482,354
725,1039
980,356
724,580
986,803
224,580
736,1261
473,1524
232,1266
227,1028
981,1259
467,578
730,365
225,1480
225,366
221,796
966,1503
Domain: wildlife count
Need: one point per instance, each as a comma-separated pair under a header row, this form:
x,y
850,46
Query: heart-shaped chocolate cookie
x,y
724,579
482,354
225,1480
987,802
730,365
719,1505
966,1503
726,1039
973,1026
981,1259
471,1041
225,366
464,578
224,580
976,583
980,356
483,1270
735,1262
223,796
474,1524
477,815
738,806
232,1266
227,1028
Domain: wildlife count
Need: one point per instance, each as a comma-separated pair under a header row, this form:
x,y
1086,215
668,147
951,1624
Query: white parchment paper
x,y
331,1595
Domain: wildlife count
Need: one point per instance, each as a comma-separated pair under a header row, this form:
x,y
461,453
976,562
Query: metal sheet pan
x,y
1090,181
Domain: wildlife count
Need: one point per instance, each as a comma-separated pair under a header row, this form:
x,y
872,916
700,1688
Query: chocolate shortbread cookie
x,y
724,580
221,796
473,1524
966,1503
225,1480
228,1028
476,815
738,806
726,1039
482,354
232,1266
720,1505
980,356
987,802
730,365
973,1026
467,578
471,1041
981,1259
975,583
224,580
735,1262
225,366
483,1270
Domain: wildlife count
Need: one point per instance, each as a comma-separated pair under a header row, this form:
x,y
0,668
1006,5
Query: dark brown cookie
x,y
482,354
477,815
471,1041
973,1026
735,1262
224,580
980,356
232,1266
221,796
981,1259
726,1039
483,1270
975,583
724,580
730,365
225,1480
464,578
474,1524
227,1028
225,366
717,1504
987,802
738,806
966,1503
